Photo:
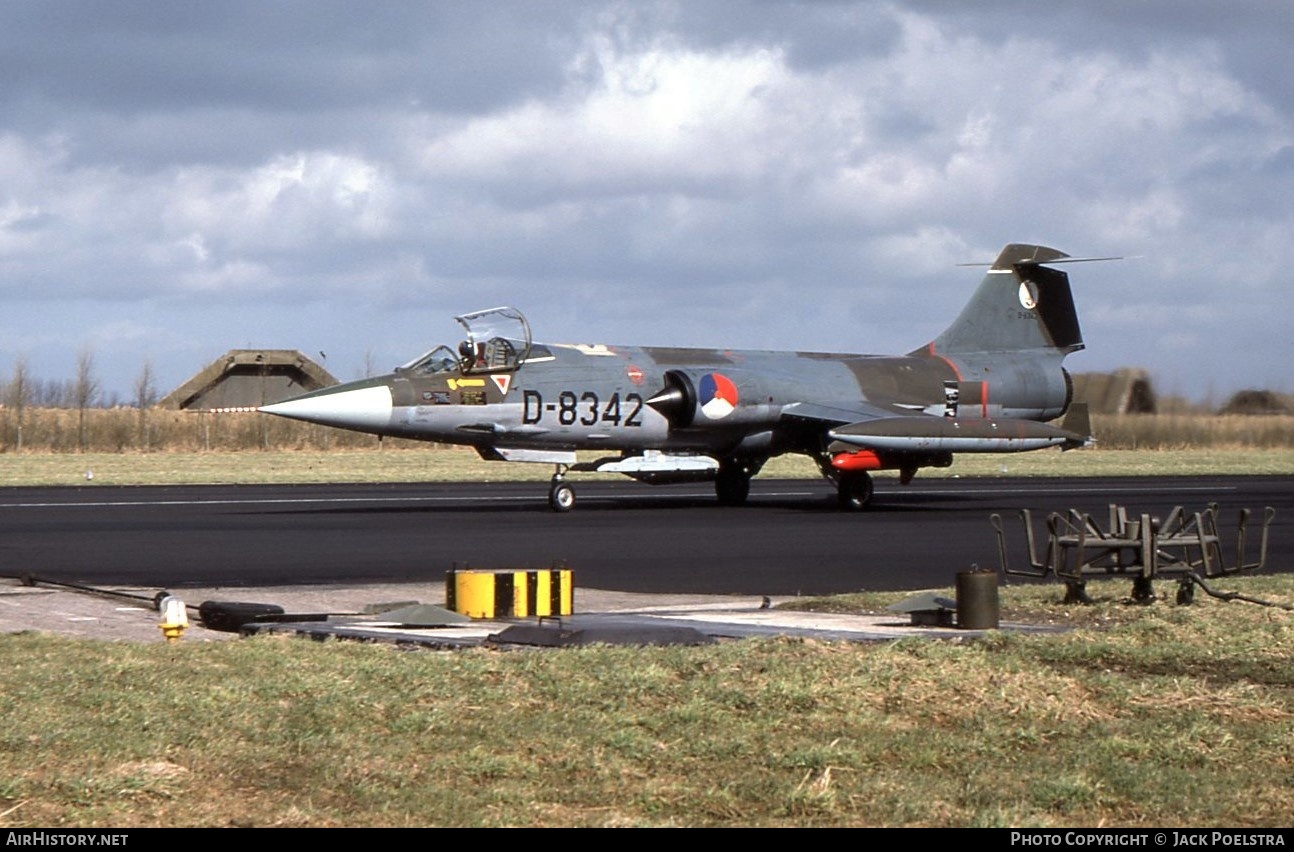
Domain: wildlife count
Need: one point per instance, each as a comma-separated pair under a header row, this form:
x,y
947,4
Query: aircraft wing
x,y
837,415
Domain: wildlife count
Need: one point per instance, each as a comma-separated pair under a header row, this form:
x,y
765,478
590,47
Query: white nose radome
x,y
358,408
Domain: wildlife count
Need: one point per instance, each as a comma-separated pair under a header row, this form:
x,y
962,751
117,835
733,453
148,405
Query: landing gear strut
x,y
561,496
854,490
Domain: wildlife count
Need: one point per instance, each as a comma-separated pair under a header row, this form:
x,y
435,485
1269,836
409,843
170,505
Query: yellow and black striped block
x,y
509,593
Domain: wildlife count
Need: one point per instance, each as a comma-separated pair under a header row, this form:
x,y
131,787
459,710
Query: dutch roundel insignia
x,y
717,395
1028,295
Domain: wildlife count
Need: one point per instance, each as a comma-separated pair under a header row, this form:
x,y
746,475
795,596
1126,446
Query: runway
x,y
789,539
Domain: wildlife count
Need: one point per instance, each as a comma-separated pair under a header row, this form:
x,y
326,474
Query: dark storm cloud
x,y
293,56
186,81
758,174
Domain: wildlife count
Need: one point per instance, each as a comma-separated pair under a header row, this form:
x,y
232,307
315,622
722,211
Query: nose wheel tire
x,y
854,491
561,497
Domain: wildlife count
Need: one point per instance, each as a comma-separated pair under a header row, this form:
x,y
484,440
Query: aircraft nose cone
x,y
364,408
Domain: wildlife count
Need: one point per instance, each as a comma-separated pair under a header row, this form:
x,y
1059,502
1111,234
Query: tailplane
x,y
1020,305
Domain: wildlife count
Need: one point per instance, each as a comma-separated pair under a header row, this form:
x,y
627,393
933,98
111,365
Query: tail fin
x,y
1020,305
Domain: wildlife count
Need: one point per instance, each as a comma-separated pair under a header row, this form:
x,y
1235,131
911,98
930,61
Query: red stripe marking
x,y
930,350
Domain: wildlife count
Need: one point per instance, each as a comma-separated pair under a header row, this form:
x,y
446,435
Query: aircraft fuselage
x,y
572,397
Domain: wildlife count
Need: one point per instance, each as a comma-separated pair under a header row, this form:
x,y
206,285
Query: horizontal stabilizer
x,y
1019,254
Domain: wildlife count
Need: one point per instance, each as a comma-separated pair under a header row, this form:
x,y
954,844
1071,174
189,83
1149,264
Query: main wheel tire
x,y
854,491
732,487
561,497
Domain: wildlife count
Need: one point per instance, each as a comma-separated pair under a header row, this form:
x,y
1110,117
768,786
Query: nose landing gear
x,y
561,496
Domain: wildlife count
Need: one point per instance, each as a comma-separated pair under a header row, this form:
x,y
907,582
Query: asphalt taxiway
x,y
238,542
789,540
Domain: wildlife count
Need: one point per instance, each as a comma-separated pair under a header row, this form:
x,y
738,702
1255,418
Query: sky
x,y
182,179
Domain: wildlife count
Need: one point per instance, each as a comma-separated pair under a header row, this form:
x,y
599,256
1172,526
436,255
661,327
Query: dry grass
x,y
1193,431
428,463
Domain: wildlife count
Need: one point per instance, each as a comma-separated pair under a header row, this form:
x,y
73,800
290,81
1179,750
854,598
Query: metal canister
x,y
977,607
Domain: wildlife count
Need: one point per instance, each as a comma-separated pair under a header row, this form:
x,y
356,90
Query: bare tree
x,y
85,392
145,398
48,394
18,396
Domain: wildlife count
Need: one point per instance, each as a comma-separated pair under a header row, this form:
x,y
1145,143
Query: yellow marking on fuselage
x,y
455,384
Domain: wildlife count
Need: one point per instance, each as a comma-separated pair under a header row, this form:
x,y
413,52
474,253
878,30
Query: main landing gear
x,y
732,482
854,490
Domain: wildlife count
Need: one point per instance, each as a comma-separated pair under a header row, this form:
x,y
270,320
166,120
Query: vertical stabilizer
x,y
1020,305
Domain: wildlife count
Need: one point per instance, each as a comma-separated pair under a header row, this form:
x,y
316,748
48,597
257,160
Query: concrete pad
x,y
127,614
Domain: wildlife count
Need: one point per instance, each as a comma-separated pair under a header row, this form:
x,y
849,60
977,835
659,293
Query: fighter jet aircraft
x,y
987,384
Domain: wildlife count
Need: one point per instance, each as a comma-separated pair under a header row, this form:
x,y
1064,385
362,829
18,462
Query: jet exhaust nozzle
x,y
677,400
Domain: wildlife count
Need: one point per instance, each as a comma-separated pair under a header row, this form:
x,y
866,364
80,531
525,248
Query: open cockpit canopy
x,y
498,339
